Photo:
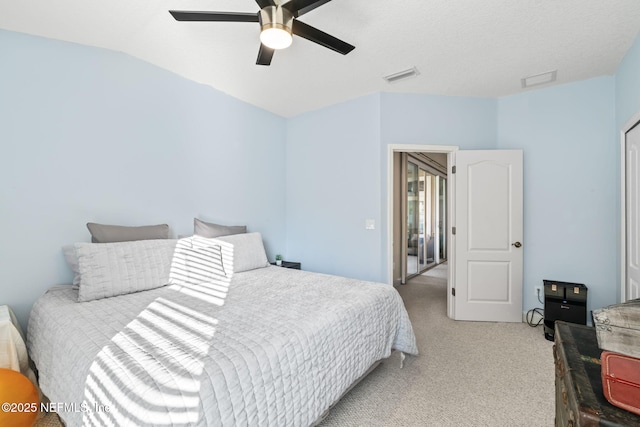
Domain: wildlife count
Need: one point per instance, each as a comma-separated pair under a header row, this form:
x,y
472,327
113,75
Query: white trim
x,y
623,215
446,149
451,240
635,120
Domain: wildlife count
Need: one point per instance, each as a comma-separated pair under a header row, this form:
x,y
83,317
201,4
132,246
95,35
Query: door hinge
x,y
453,230
453,291
453,169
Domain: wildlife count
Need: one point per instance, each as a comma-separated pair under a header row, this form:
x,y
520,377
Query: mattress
x,y
278,347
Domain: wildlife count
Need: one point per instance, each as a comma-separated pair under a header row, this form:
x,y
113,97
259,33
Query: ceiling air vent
x,y
402,75
539,79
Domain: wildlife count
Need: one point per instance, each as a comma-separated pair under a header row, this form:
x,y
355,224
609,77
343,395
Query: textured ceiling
x,y
460,47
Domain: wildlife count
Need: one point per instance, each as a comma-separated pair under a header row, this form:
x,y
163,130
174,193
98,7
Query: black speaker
x,y
563,301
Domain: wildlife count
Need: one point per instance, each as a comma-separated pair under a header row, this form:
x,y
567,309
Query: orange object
x,y
19,402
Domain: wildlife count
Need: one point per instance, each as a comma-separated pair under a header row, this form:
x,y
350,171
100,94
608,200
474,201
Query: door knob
x,y
516,244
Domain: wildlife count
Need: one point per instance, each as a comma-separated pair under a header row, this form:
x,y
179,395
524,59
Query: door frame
x,y
449,150
633,122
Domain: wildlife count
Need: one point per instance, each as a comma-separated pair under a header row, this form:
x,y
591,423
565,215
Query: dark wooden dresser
x,y
579,397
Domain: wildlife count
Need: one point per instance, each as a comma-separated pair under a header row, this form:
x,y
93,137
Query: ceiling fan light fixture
x,y
276,38
278,23
275,27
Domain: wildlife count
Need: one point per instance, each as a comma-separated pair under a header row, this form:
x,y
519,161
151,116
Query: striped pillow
x,y
195,263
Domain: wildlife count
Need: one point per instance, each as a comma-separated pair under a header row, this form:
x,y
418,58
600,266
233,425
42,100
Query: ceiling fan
x,y
277,24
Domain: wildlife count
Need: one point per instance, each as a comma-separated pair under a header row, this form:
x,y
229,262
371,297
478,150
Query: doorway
x,y
394,230
423,212
484,260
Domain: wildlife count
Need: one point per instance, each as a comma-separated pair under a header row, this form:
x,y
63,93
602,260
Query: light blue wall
x,y
88,134
438,120
469,123
567,133
337,172
628,86
333,186
93,135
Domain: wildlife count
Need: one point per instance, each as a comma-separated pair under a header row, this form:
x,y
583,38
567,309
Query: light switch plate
x,y
370,224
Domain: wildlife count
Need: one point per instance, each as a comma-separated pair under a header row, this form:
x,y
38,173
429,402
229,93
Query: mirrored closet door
x,y
425,208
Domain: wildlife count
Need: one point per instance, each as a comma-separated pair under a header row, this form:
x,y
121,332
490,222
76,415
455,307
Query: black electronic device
x,y
563,301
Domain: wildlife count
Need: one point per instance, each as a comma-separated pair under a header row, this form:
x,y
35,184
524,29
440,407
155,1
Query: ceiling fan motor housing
x,y
275,17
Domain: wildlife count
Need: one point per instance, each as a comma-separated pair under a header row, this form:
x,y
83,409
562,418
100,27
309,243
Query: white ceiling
x,y
460,47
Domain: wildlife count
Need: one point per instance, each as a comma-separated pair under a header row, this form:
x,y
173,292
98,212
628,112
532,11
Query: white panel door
x,y
488,212
632,152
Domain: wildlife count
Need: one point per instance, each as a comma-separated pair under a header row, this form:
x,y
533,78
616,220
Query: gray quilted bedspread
x,y
276,347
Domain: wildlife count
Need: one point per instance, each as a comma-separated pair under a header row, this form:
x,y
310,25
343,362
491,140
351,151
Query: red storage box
x,y
621,380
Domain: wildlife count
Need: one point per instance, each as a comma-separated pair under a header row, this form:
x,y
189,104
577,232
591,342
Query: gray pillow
x,y
110,269
207,229
101,233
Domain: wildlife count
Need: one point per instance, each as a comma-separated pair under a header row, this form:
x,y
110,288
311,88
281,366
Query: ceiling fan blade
x,y
300,7
264,55
265,3
310,33
183,15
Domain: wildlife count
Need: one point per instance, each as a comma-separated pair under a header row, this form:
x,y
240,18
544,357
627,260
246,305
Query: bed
x,y
266,346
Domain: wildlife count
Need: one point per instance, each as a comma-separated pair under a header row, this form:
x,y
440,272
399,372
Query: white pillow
x,y
110,269
69,253
198,262
246,250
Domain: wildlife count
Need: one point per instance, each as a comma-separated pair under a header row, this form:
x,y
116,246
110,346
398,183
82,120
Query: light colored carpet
x,y
48,420
440,271
467,374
